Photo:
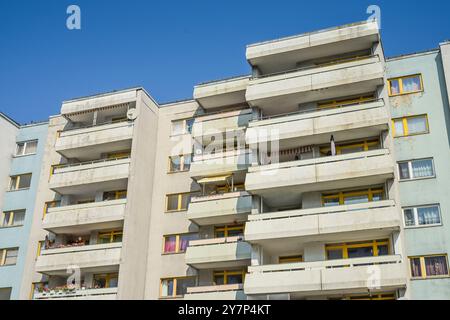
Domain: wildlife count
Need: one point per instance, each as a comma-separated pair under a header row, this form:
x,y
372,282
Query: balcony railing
x,y
329,264
86,163
215,288
83,293
321,211
88,126
321,160
319,112
337,62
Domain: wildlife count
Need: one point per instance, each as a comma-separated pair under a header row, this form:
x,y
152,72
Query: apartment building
x,y
22,151
420,115
283,184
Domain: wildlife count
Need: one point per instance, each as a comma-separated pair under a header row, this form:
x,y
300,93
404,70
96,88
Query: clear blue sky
x,y
169,46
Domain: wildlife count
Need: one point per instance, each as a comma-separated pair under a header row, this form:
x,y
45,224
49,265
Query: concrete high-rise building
x,y
302,180
22,149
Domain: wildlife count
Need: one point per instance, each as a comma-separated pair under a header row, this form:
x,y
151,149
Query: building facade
x,y
420,112
303,180
23,155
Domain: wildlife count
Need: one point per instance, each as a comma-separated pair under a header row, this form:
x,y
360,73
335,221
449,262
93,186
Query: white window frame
x,y
410,170
416,217
25,144
184,129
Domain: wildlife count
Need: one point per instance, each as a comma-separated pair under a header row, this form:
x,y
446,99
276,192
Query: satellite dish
x,y
132,114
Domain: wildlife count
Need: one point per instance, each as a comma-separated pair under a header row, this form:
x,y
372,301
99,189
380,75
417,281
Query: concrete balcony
x,y
221,93
79,294
220,209
84,218
218,253
77,109
87,177
222,163
218,292
219,124
321,174
348,122
378,218
91,142
328,277
94,258
285,53
281,93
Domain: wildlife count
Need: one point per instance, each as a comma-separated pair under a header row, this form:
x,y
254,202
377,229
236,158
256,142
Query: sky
x,y
169,46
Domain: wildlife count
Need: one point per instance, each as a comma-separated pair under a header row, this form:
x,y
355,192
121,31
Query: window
x,y
429,266
357,249
405,85
109,280
5,294
352,197
229,231
351,147
422,216
26,148
416,169
119,155
49,205
290,259
180,163
8,257
176,287
12,218
385,296
178,201
41,244
114,195
20,182
110,236
408,126
178,243
342,102
182,126
228,277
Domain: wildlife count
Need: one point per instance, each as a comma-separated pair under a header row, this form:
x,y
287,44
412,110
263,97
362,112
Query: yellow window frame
x,y
341,102
118,194
119,155
227,228
3,253
111,234
423,267
341,146
179,201
379,297
226,273
352,245
290,259
177,242
175,285
107,277
10,219
227,188
39,248
400,84
404,121
50,204
343,195
182,163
